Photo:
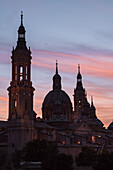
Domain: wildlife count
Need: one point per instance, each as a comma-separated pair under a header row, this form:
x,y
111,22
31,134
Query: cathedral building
x,y
71,127
57,103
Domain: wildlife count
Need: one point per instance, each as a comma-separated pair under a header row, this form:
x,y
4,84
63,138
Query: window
x,y
63,142
26,72
21,73
15,72
15,103
21,35
78,142
79,103
93,139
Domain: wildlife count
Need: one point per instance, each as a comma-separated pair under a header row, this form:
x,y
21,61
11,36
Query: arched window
x,y
26,71
15,72
79,103
21,36
20,73
15,103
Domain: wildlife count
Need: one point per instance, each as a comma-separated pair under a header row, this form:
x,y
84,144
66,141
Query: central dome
x,y
57,97
57,102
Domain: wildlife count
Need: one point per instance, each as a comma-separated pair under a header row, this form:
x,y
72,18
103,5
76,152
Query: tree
x,y
104,161
98,160
17,157
64,162
87,157
2,158
45,152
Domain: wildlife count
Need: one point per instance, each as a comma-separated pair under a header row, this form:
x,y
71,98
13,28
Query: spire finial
x,y
56,67
91,100
78,68
21,17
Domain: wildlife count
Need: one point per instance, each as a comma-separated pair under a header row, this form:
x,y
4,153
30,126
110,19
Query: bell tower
x,y
21,115
21,90
81,105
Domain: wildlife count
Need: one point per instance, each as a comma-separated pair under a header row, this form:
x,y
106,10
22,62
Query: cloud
x,y
3,98
97,77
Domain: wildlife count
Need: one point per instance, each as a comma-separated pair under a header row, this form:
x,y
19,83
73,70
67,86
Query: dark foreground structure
x,y
72,128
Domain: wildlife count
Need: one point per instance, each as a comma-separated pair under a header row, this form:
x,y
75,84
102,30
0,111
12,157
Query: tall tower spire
x,y
21,18
21,43
91,100
92,109
56,67
79,77
56,79
78,68
80,100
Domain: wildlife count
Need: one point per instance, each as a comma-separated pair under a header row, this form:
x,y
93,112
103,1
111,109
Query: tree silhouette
x,y
87,157
45,152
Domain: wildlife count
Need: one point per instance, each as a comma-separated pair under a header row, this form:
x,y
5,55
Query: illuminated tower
x,y
81,105
20,94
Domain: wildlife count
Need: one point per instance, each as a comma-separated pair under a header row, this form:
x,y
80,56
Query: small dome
x,y
57,76
21,30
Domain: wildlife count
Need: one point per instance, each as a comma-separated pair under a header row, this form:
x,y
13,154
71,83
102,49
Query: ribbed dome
x,y
57,102
57,97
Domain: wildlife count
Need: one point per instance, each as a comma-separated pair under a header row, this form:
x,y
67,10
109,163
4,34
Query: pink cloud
x,y
90,67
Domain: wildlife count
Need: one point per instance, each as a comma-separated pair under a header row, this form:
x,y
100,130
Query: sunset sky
x,y
70,31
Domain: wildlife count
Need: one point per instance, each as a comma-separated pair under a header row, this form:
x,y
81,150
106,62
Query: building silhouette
x,y
57,103
21,113
72,128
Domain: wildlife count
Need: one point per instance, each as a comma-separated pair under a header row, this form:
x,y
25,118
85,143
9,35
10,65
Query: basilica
x,y
72,127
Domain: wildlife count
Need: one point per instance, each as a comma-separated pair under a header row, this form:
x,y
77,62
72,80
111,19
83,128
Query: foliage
x,y
45,152
87,157
17,157
64,162
104,161
4,164
2,158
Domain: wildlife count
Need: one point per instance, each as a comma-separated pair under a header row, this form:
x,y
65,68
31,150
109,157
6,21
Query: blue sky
x,y
71,31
